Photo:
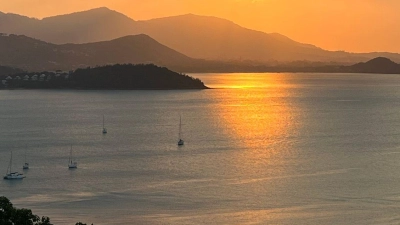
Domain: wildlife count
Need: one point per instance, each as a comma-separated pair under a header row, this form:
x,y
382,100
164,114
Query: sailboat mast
x,y
103,121
11,162
70,155
180,126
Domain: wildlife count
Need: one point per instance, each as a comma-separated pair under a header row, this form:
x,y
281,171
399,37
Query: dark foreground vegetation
x,y
119,76
9,215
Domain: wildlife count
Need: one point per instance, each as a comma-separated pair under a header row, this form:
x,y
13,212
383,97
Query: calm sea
x,y
259,149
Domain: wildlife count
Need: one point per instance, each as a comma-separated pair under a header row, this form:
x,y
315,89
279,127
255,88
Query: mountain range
x,y
200,37
22,52
35,55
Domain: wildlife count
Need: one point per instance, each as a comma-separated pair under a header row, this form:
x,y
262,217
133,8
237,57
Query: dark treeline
x,y
149,76
378,65
119,76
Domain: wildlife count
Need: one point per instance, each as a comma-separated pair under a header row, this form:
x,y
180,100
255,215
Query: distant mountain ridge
x,y
20,52
94,25
34,55
200,37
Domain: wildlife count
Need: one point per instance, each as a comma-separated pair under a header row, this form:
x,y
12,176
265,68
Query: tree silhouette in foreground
x,y
9,215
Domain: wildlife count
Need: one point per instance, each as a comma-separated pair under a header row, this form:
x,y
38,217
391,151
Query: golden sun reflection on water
x,y
259,118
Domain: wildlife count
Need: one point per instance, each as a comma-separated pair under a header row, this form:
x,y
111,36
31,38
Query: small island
x,y
110,77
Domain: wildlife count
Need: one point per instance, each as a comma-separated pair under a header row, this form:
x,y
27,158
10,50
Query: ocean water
x,y
259,149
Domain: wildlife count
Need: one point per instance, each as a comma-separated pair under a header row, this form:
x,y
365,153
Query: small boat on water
x,y
180,142
26,164
71,163
104,128
13,175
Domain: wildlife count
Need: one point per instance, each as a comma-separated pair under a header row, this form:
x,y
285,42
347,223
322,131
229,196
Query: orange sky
x,y
351,25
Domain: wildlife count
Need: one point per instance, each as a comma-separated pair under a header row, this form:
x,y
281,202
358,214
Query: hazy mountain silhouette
x,y
89,26
214,38
35,55
195,36
376,65
31,54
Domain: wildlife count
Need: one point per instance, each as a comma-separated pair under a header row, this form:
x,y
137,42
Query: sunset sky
x,y
350,25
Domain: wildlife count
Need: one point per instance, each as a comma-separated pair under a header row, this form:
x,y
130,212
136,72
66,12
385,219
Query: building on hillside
x,y
41,78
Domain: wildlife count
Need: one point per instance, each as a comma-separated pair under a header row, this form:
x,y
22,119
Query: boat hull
x,y
14,176
73,165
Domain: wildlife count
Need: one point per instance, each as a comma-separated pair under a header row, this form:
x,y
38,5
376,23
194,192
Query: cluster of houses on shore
x,y
34,77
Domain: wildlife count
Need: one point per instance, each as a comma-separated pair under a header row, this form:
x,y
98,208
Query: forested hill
x,y
133,77
119,76
5,70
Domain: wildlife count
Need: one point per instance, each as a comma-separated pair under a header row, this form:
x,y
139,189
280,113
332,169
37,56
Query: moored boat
x,y
180,142
13,175
71,163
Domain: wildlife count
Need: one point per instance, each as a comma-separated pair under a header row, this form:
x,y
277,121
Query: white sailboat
x,y
180,142
12,175
71,163
104,128
26,164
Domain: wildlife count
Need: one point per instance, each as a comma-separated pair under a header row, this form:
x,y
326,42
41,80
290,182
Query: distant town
x,y
34,79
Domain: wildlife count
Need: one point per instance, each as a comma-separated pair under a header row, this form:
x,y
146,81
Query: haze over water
x,y
259,149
